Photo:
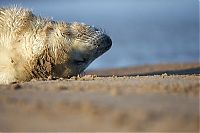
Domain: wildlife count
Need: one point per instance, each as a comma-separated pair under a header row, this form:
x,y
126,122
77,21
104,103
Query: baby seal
x,y
36,47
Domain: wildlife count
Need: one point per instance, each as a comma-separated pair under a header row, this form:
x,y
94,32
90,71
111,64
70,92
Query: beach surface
x,y
161,98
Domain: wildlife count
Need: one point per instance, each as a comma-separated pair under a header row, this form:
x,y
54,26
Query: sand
x,y
161,98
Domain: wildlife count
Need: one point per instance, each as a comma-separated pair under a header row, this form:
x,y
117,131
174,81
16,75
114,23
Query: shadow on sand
x,y
170,72
149,70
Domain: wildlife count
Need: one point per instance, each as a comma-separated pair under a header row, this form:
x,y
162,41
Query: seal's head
x,y
36,47
75,46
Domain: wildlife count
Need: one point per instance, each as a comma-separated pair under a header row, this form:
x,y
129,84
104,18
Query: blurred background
x,y
142,31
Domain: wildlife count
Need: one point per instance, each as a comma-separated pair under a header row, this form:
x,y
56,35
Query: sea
x,y
142,31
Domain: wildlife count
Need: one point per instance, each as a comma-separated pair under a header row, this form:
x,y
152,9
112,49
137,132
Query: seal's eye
x,y
67,33
79,35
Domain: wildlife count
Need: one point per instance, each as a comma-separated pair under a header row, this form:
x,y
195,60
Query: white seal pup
x,y
36,47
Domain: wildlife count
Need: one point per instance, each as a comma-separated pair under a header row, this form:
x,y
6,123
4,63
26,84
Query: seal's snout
x,y
103,42
107,41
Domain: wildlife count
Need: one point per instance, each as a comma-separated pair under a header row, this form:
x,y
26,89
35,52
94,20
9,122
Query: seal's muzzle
x,y
102,44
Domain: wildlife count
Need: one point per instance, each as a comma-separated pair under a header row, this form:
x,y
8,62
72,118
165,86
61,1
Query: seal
x,y
35,47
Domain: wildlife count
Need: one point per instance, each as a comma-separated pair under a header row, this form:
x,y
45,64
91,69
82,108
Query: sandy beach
x,y
161,98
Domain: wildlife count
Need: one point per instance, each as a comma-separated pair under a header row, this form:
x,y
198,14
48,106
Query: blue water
x,y
143,31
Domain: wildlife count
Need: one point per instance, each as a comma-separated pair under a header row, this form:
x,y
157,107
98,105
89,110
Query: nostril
x,y
109,41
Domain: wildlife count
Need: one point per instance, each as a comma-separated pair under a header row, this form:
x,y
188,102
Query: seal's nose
x,y
102,42
106,42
